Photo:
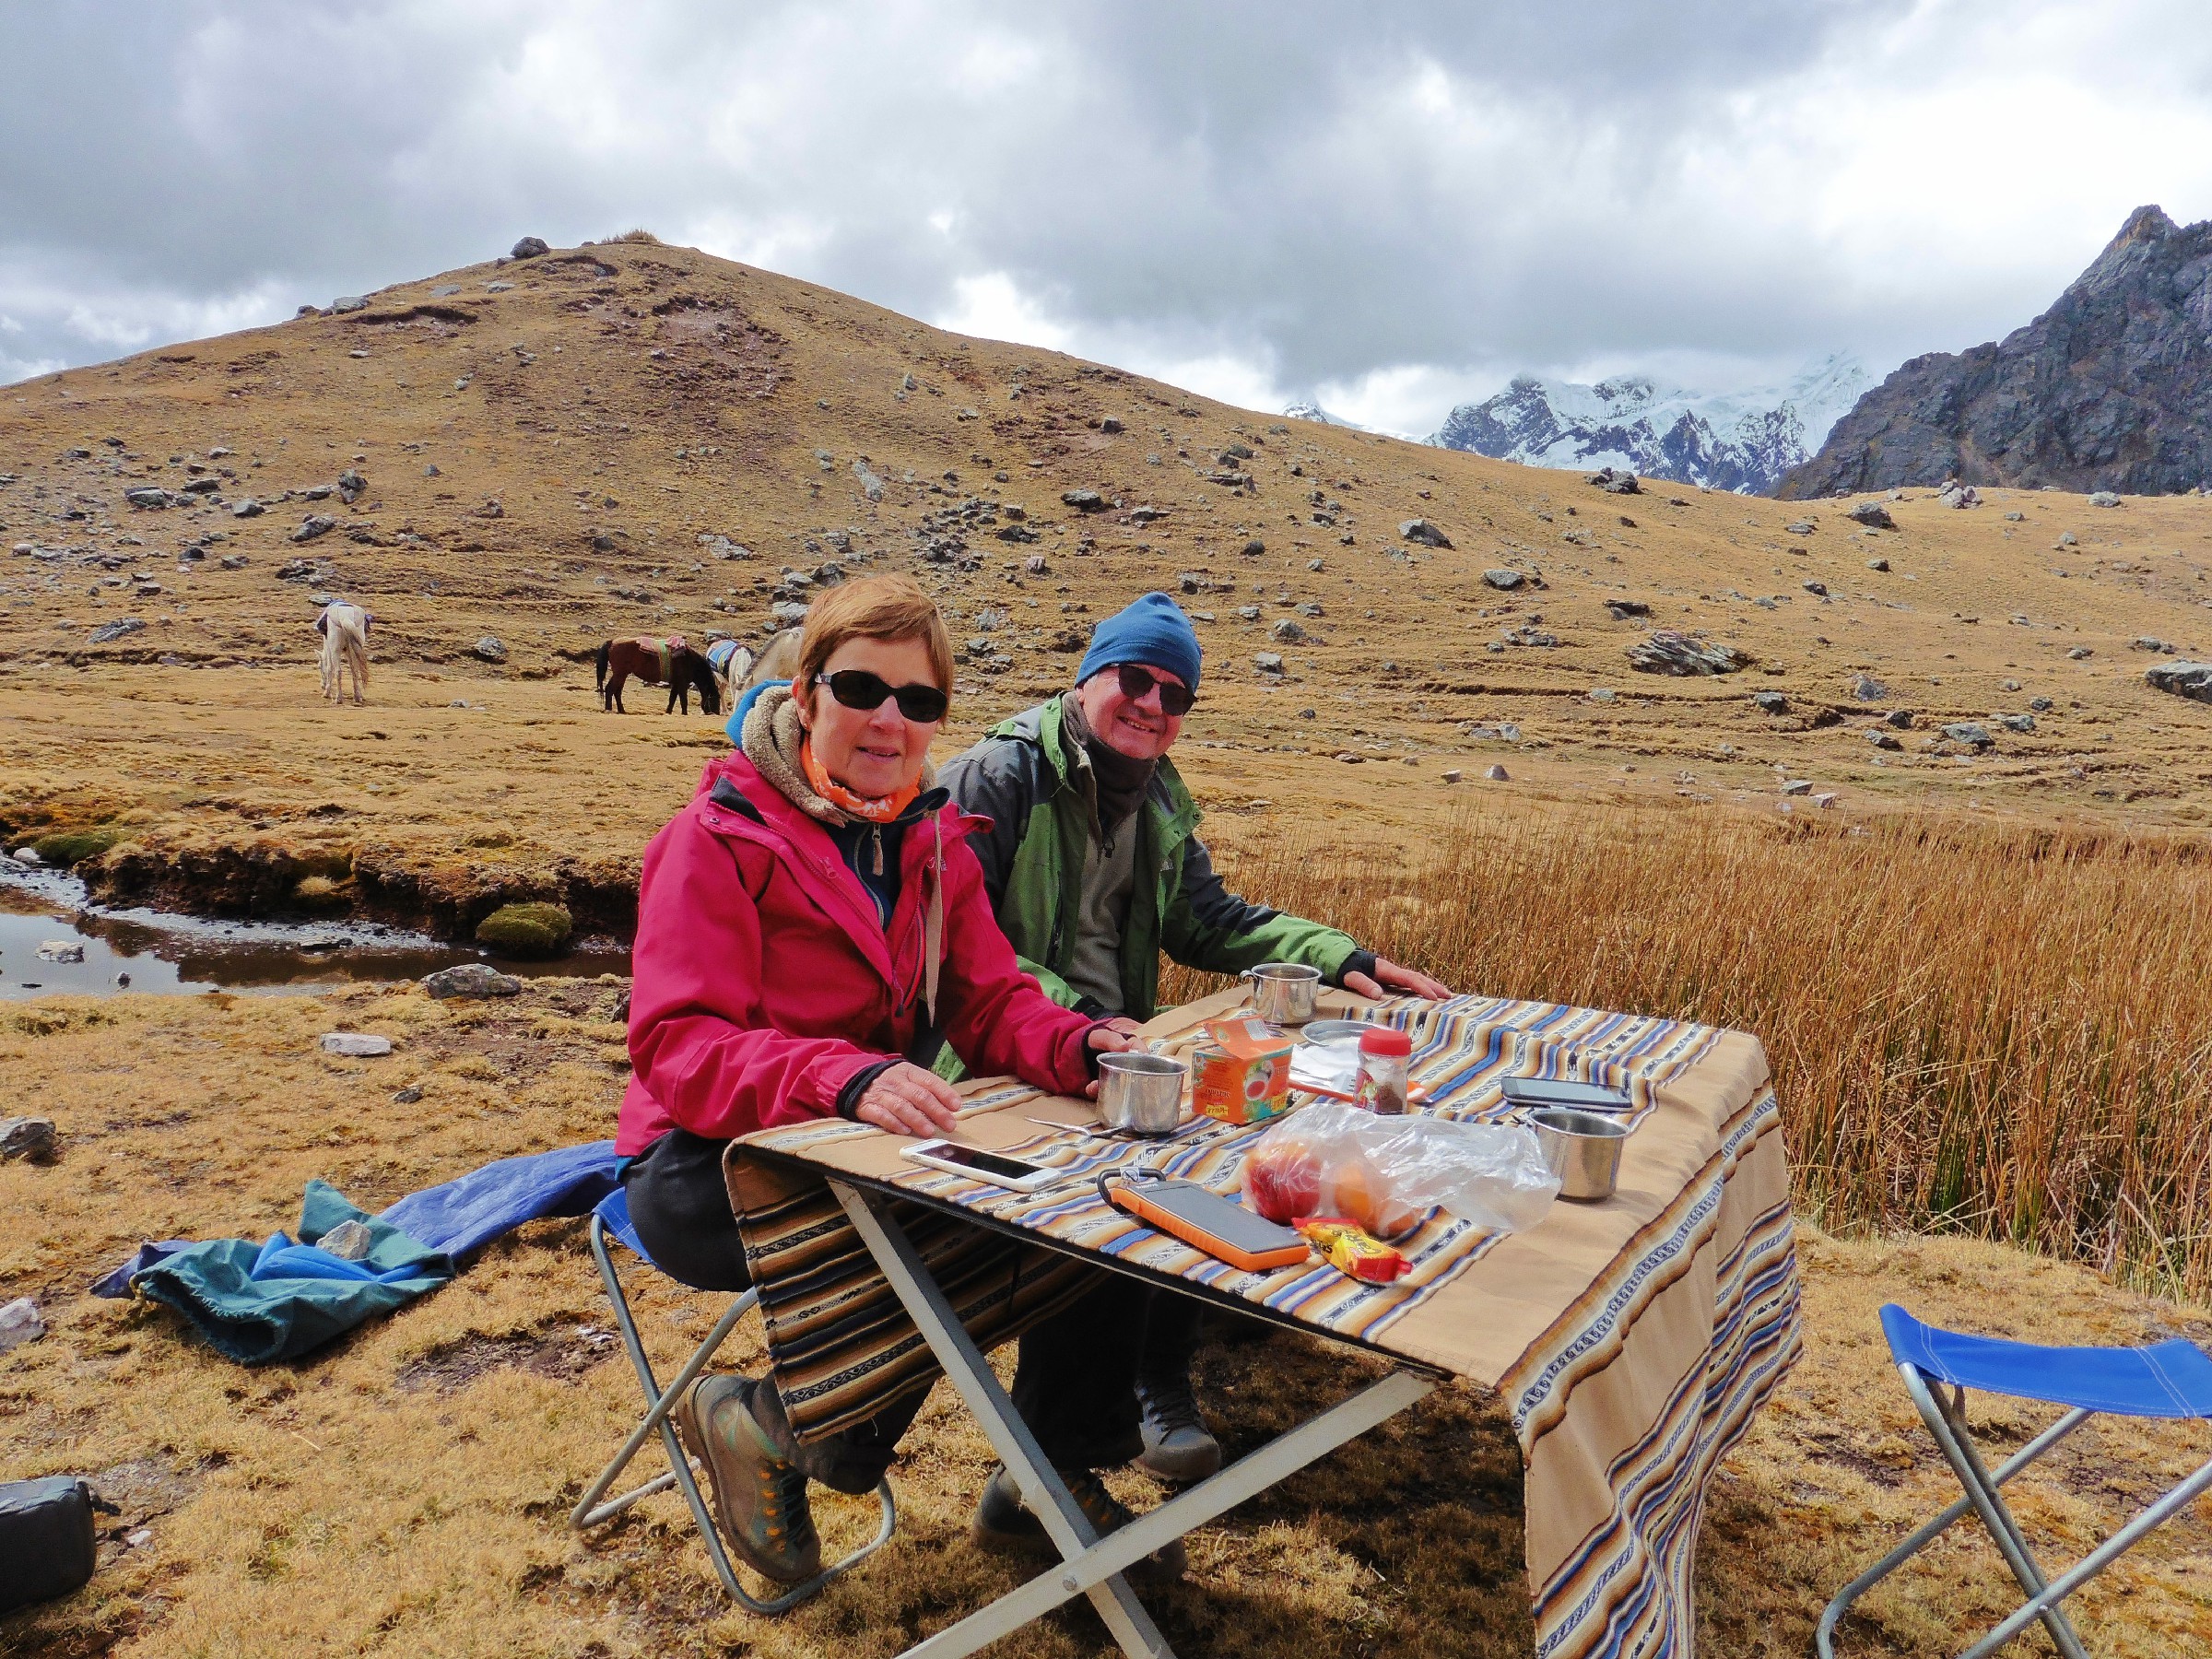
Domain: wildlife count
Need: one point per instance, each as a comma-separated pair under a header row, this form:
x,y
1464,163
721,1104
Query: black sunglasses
x,y
857,689
1136,680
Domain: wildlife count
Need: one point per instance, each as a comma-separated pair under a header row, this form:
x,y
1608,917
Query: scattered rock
x,y
2017,723
1817,589
20,1324
1824,801
1604,694
1351,760
1036,566
1614,481
1288,632
247,507
349,1240
1267,662
788,613
1108,425
2104,498
1797,786
1453,775
2014,518
2193,680
526,930
1955,494
1083,501
871,485
530,247
2080,654
405,1097
1872,515
1623,609
1900,719
1866,688
61,950
356,1045
30,1137
1970,733
1668,651
1802,527
2145,642
147,500
314,524
349,302
1505,582
491,649
116,629
1884,740
1498,774
2041,705
1420,530
1772,702
351,487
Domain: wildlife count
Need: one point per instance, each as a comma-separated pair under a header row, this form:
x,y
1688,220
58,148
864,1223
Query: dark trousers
x,y
1074,1380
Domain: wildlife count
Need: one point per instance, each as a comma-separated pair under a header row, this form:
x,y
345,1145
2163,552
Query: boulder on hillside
x,y
470,982
1872,515
530,247
1668,651
2193,680
1615,480
1420,530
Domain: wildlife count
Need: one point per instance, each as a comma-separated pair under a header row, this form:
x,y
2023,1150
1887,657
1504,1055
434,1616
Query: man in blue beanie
x,y
1094,868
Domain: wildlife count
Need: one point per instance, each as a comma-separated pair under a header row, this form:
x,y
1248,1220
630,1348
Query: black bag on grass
x,y
46,1541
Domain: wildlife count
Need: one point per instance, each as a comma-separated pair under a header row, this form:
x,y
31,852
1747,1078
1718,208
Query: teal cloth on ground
x,y
261,1303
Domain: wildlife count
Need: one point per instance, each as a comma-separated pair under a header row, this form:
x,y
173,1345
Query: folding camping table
x,y
1632,1340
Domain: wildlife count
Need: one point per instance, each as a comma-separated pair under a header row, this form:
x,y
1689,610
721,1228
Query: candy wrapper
x,y
1352,1250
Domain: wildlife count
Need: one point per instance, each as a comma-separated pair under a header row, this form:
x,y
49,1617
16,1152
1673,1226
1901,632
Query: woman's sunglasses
x,y
1137,680
857,689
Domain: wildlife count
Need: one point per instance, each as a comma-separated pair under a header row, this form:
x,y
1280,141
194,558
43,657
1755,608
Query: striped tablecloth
x,y
1629,1340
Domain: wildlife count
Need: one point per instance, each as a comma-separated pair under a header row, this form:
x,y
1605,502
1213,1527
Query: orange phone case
x,y
1132,1200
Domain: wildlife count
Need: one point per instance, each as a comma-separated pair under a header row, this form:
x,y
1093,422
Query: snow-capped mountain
x,y
1741,440
1306,408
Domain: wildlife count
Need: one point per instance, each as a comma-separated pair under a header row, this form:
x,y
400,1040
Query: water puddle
x,y
160,952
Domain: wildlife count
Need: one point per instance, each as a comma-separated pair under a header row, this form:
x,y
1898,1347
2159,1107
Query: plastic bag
x,y
1387,1172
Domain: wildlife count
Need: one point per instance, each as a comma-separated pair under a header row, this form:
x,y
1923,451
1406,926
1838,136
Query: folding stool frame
x,y
1947,1424
590,1513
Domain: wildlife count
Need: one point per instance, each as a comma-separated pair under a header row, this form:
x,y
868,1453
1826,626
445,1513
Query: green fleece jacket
x,y
1024,777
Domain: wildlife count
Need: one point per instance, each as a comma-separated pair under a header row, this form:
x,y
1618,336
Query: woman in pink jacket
x,y
813,917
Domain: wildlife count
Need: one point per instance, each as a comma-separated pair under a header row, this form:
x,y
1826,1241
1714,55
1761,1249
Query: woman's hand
x,y
1109,1038
1397,979
907,1099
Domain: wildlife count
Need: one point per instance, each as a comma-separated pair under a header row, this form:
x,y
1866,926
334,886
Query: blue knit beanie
x,y
1152,631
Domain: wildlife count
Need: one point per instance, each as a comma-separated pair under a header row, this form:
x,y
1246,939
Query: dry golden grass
x,y
406,1491
1975,1029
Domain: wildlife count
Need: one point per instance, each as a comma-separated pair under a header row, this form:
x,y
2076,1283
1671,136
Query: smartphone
x,y
1203,1219
979,1165
1558,1091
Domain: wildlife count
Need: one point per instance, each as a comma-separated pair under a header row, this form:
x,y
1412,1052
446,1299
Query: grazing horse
x,y
345,630
655,662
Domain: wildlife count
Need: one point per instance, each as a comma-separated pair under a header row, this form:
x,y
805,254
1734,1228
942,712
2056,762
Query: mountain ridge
x,y
2109,389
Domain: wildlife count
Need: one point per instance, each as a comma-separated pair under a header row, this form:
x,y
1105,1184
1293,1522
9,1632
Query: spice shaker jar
x,y
1384,1051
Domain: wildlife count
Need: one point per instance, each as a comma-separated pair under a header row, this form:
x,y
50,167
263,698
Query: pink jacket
x,y
763,980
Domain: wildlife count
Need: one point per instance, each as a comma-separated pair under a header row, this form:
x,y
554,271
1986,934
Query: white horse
x,y
345,630
740,667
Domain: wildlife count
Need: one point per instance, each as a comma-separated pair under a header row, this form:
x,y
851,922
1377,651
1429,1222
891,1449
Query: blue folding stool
x,y
2166,1379
612,1218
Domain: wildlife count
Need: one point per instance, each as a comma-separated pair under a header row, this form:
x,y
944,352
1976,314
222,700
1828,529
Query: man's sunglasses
x,y
1136,680
857,689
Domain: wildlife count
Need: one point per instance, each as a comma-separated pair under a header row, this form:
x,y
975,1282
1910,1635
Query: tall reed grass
x,y
1997,1031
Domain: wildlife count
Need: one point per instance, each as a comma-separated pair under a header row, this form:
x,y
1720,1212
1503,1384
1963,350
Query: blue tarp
x,y
280,1299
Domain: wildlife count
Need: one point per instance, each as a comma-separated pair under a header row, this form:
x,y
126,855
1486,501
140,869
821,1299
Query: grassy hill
x,y
632,438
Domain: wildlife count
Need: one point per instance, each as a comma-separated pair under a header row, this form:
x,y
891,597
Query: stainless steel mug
x,y
1581,1148
1140,1094
1284,994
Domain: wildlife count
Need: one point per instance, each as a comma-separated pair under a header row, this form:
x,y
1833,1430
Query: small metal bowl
x,y
1335,1031
1581,1148
1140,1094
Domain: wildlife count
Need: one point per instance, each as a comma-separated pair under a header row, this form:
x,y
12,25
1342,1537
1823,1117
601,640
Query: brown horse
x,y
653,661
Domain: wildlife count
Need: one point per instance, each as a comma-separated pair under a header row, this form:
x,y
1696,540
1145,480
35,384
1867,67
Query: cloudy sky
x,y
1391,206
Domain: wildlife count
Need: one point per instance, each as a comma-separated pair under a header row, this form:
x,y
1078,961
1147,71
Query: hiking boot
x,y
759,1496
1177,1446
1002,1523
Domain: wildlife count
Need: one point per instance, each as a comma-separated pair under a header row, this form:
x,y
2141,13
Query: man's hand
x,y
906,1100
1397,979
1108,1039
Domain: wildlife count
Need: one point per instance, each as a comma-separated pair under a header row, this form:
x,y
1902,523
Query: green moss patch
x,y
526,930
66,847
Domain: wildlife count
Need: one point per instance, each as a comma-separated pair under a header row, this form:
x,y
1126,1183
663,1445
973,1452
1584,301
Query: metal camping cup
x,y
1581,1148
1141,1094
1283,993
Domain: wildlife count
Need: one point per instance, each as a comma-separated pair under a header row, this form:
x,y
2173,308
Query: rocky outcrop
x,y
2110,389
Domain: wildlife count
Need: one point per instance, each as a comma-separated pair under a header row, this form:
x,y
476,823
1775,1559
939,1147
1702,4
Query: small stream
x,y
149,950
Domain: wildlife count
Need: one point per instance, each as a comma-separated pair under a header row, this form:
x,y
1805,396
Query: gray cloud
x,y
1276,197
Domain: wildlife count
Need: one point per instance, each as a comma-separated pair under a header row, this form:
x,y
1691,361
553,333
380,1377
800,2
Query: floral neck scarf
x,y
876,809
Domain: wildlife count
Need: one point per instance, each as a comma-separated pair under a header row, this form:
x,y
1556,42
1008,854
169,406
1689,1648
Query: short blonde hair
x,y
876,608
